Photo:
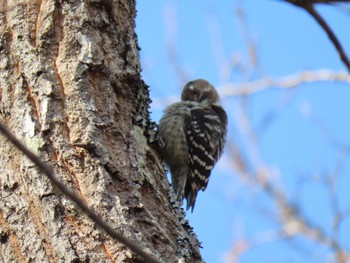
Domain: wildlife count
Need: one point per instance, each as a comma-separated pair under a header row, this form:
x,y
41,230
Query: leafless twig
x,y
256,86
312,11
44,168
285,82
252,168
308,6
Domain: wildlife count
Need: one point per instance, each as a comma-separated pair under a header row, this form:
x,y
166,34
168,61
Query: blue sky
x,y
302,133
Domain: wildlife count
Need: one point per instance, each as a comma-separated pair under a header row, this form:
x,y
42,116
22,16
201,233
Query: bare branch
x,y
251,44
324,1
291,221
45,169
308,6
311,10
253,87
286,82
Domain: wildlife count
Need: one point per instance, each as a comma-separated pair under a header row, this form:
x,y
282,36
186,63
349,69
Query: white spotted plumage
x,y
193,134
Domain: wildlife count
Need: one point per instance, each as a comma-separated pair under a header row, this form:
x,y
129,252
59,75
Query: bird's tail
x,y
191,197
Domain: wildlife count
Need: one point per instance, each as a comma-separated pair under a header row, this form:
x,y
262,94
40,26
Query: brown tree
x,y
71,90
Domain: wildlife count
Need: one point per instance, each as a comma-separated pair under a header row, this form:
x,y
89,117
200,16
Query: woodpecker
x,y
192,135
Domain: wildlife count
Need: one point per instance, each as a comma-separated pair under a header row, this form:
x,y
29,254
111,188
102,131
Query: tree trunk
x,y
71,90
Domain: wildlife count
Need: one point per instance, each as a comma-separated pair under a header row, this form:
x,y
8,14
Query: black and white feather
x,y
193,134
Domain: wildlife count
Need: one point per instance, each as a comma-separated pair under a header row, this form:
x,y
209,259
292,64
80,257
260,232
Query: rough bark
x,y
71,90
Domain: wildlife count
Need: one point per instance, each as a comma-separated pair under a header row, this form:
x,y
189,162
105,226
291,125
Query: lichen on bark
x,y
71,90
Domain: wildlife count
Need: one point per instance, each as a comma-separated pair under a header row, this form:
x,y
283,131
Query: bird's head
x,y
201,91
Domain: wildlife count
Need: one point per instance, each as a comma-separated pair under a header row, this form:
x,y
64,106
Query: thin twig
x,y
312,11
44,168
285,82
266,83
308,6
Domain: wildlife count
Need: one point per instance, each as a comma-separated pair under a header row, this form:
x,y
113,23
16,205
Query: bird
x,y
192,135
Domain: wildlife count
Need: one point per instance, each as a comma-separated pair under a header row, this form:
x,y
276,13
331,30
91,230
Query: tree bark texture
x,y
71,90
